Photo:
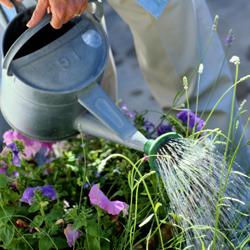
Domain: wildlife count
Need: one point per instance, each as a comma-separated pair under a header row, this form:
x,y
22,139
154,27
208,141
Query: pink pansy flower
x,y
31,147
71,235
97,197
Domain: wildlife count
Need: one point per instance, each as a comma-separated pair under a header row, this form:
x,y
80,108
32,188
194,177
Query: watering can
x,y
51,83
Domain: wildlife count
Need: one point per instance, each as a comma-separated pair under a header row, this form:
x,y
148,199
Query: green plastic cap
x,y
151,147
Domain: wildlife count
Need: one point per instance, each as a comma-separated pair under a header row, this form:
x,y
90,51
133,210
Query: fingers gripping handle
x,y
96,101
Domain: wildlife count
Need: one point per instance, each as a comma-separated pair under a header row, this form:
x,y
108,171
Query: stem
x,y
1,205
219,100
197,100
232,110
223,186
147,191
187,100
84,173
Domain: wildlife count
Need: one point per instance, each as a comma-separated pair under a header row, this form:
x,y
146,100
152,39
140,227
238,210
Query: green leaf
x,y
175,122
55,213
18,244
3,180
5,213
37,221
61,243
158,204
92,243
34,208
92,228
45,243
7,234
80,222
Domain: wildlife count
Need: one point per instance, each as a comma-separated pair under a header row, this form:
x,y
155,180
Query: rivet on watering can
x,y
92,38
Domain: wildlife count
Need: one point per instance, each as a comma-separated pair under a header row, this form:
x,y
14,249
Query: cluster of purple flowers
x,y
188,118
191,120
15,154
164,128
31,147
148,126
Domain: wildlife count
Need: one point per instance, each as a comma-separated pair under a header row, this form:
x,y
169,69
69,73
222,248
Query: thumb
x,y
38,14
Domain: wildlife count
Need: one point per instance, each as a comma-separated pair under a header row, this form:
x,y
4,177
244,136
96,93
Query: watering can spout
x,y
88,124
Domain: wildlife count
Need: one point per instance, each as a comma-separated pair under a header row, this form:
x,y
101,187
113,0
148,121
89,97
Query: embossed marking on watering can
x,y
102,104
64,62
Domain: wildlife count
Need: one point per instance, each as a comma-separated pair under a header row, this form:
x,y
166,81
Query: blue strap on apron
x,y
154,7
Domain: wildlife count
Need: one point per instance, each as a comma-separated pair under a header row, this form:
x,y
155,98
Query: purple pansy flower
x,y
29,193
31,147
163,128
97,197
15,154
190,119
49,191
71,235
149,126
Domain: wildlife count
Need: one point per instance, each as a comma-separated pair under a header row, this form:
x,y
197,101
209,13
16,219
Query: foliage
x,y
44,199
31,219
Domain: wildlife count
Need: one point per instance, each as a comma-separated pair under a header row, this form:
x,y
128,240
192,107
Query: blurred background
x,y
132,88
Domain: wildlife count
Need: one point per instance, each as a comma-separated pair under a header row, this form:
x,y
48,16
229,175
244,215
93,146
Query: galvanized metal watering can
x,y
50,83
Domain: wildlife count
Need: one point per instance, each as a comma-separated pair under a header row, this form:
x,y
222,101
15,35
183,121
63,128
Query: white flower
x,y
101,166
242,105
235,60
65,204
201,68
215,23
185,82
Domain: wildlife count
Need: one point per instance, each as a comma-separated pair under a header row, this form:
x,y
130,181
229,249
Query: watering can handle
x,y
23,38
95,7
98,103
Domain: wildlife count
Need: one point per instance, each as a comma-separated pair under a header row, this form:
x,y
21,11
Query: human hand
x,y
7,3
62,11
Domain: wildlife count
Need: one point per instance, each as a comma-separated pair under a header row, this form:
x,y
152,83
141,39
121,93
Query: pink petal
x,y
97,197
8,137
31,147
116,207
71,235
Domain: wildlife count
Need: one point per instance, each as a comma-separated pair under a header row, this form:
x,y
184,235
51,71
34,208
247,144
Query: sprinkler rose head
x,y
152,147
